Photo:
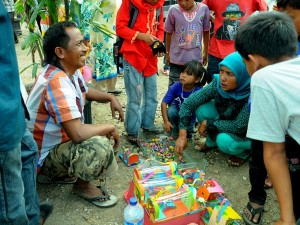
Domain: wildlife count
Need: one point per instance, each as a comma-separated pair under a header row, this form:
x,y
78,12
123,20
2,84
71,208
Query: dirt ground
x,y
72,210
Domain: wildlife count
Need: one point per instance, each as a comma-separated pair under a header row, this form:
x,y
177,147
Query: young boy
x,y
268,45
140,64
257,170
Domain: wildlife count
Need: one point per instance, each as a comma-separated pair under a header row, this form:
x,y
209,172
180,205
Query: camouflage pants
x,y
89,160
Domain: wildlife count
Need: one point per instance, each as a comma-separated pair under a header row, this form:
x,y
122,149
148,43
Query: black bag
x,y
118,57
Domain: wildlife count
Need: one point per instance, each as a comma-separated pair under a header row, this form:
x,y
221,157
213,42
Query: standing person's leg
x,y
29,161
175,71
212,67
12,210
100,85
134,85
257,176
293,155
149,102
111,86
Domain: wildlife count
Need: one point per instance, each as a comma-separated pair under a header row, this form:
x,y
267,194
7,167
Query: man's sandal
x,y
103,201
253,212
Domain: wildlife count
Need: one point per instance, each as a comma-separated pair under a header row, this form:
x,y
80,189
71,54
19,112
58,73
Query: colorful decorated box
x,y
172,203
129,156
209,190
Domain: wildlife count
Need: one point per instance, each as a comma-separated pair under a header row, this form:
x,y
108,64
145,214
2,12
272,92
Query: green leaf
x,y
30,40
36,12
34,70
104,4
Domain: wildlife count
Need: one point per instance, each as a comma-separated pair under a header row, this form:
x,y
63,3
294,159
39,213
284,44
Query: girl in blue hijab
x,y
221,110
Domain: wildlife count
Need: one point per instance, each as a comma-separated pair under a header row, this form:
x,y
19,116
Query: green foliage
x,y
30,9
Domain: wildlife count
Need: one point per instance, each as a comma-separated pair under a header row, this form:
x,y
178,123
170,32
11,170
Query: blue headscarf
x,y
234,62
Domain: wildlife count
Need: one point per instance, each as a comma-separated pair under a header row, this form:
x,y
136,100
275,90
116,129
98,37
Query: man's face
x,y
75,53
151,2
295,15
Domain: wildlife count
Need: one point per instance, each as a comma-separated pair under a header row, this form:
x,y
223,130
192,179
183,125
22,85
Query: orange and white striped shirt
x,y
55,98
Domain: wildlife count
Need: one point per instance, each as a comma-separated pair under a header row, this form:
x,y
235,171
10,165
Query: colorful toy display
x,y
171,203
209,190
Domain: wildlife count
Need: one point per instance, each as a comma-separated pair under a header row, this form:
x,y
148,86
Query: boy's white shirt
x,y
275,102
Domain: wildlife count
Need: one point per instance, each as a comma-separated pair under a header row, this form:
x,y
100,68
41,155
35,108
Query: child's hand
x,y
160,54
204,58
149,38
168,126
202,128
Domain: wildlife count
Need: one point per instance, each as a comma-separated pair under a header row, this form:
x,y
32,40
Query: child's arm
x,y
168,44
167,125
276,165
205,46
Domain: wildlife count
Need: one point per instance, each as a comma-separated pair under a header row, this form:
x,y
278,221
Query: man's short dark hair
x,y
55,36
271,35
294,4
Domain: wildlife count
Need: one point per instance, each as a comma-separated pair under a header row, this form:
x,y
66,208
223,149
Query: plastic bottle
x,y
133,213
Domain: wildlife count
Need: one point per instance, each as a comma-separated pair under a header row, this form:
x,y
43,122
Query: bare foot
x,y
87,189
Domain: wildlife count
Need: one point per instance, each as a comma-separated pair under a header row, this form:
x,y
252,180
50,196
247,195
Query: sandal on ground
x,y
268,183
235,161
133,139
103,201
43,179
46,209
253,212
203,148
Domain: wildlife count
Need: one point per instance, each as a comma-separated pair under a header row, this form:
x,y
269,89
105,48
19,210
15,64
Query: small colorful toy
x,y
162,148
224,214
209,190
129,157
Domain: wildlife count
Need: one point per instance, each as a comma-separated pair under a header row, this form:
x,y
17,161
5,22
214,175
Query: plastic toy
x,y
129,157
209,190
224,214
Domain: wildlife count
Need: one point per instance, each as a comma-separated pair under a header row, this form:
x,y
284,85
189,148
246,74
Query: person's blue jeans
x,y
29,157
173,116
224,141
12,202
212,67
141,99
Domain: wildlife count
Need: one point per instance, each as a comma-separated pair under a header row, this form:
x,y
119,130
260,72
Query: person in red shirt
x,y
140,64
228,16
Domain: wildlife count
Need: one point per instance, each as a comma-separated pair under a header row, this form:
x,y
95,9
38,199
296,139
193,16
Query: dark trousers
x,y
258,172
212,67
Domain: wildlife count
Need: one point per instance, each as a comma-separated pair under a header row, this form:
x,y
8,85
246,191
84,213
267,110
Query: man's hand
x,y
115,135
116,106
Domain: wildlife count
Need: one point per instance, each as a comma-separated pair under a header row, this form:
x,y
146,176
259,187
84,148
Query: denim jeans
x,y
29,162
173,116
141,99
212,67
12,202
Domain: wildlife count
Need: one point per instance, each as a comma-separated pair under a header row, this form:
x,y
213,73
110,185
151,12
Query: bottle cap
x,y
133,201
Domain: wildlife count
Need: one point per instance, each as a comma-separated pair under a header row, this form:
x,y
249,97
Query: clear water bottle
x,y
133,213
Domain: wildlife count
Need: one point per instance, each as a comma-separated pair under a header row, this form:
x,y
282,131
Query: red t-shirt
x,y
229,15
